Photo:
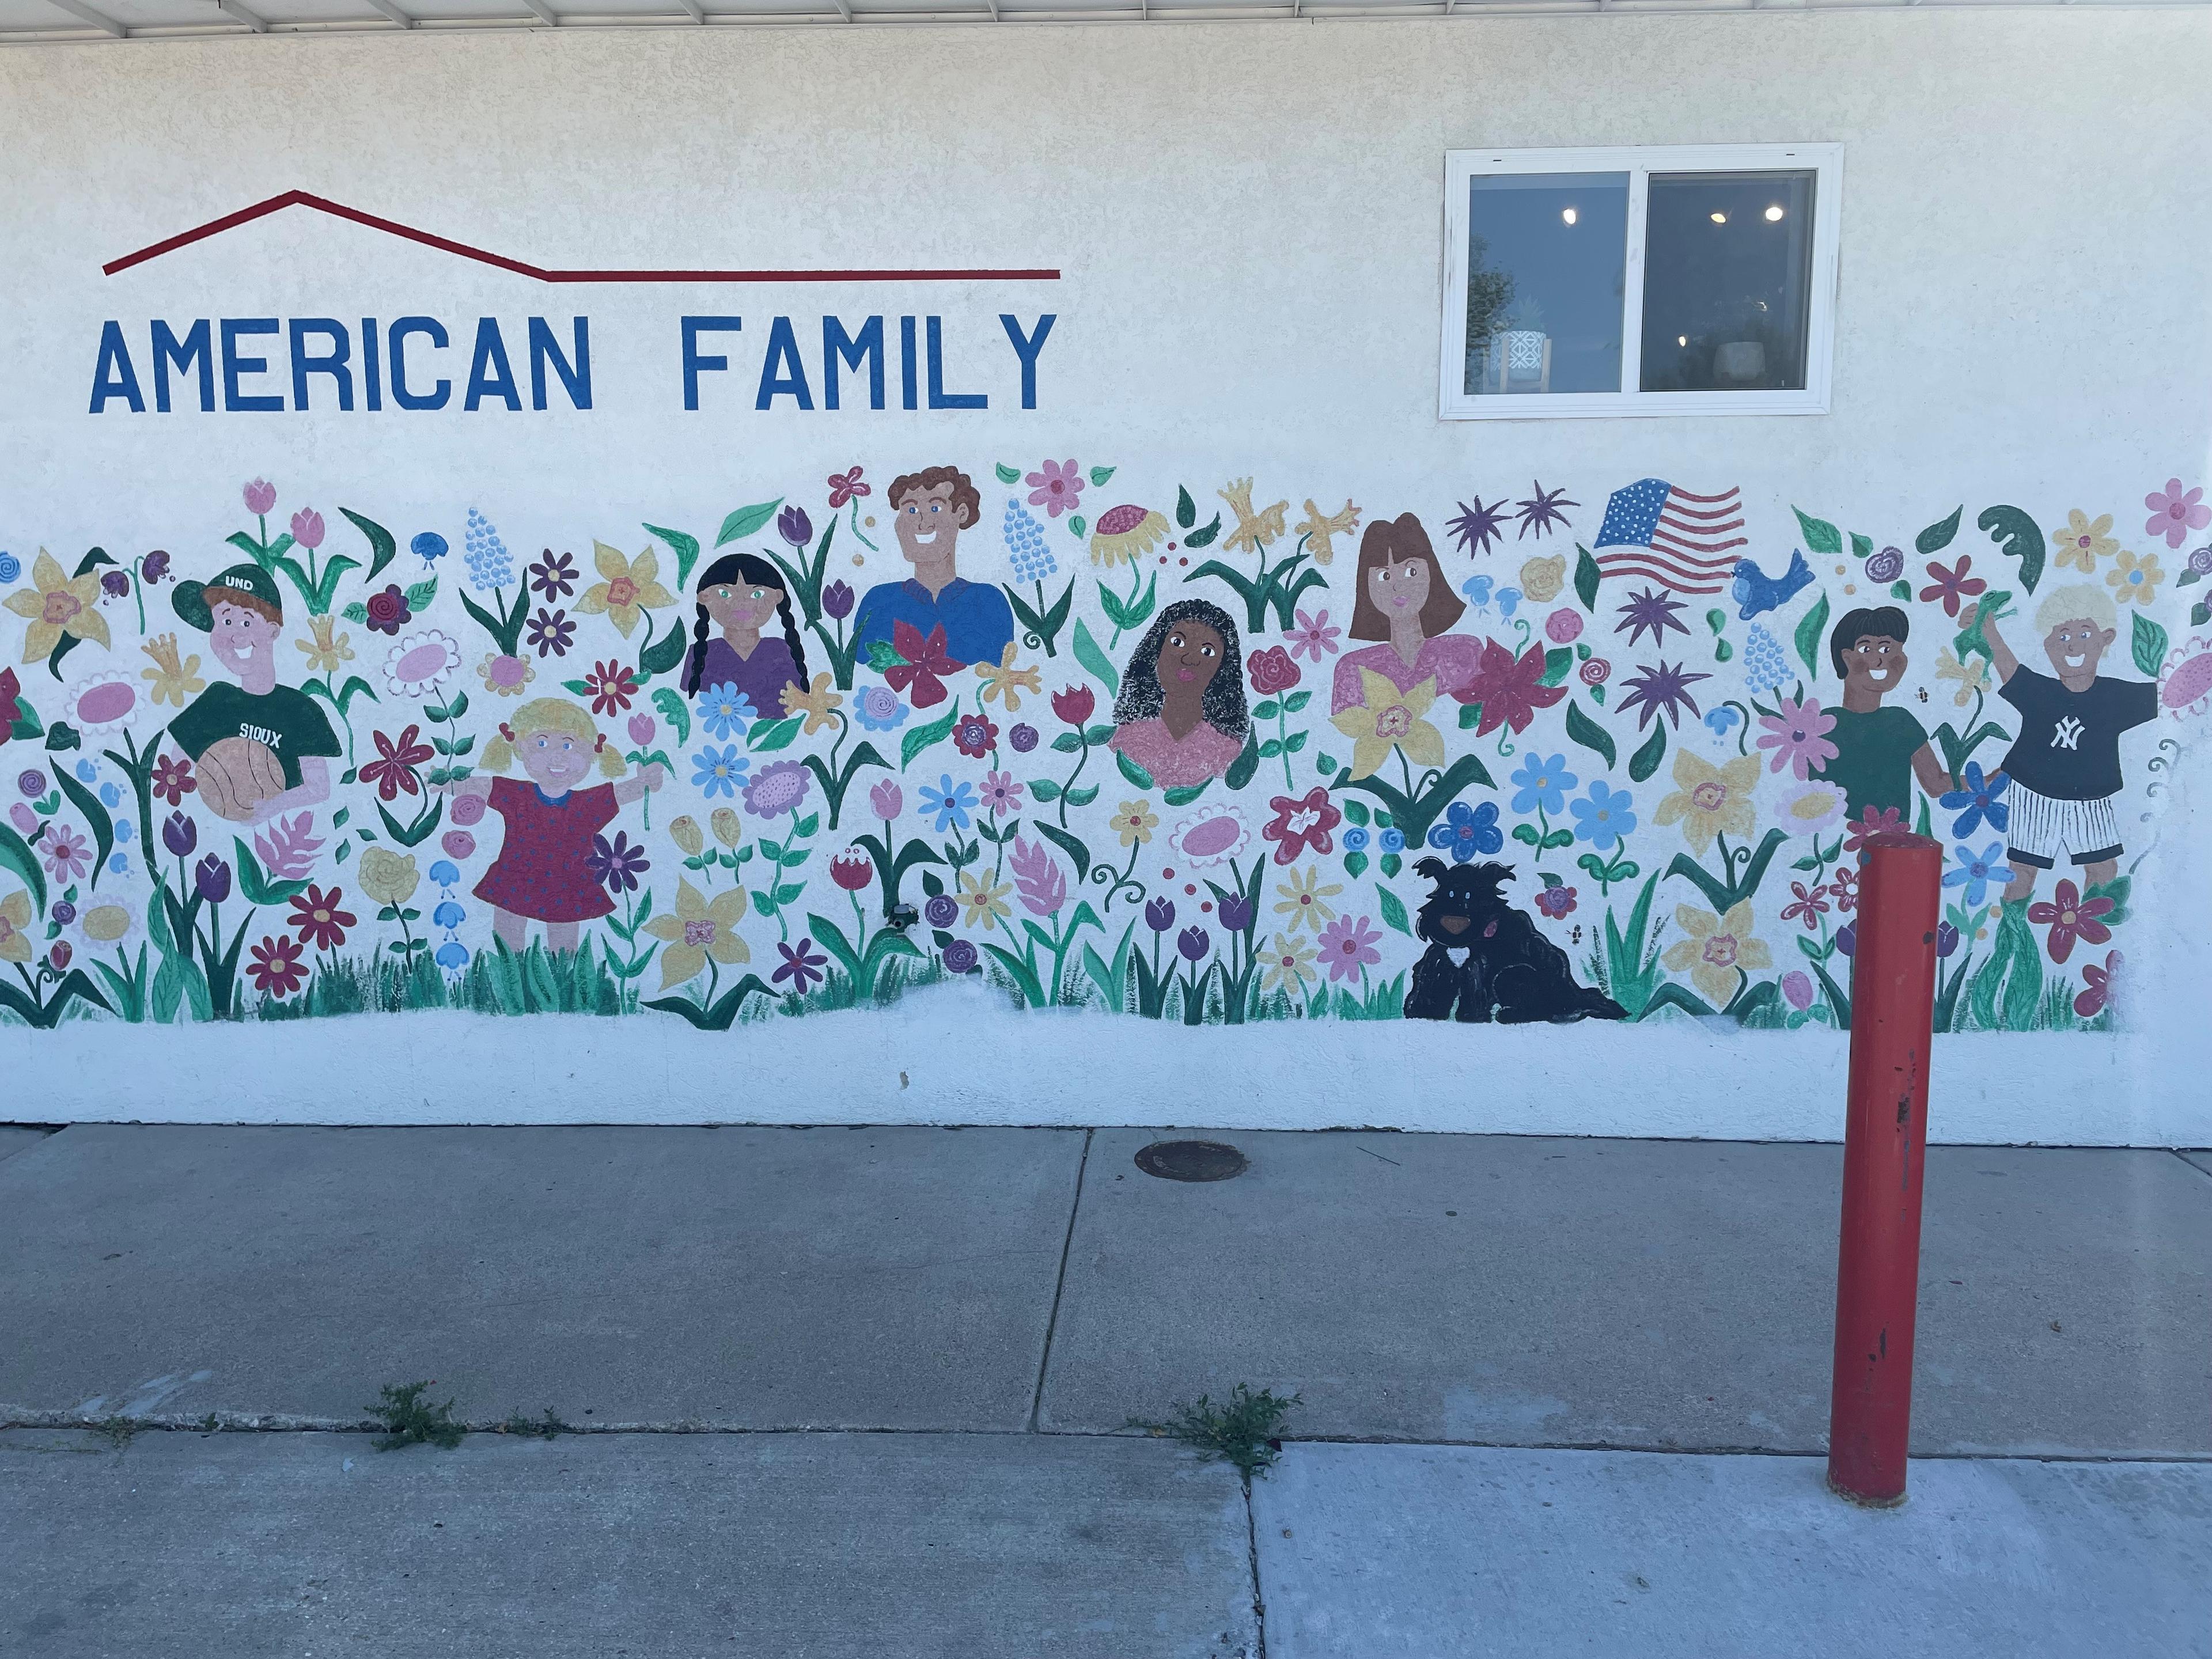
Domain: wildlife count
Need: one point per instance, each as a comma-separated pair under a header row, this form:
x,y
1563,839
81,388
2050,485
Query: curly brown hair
x,y
965,496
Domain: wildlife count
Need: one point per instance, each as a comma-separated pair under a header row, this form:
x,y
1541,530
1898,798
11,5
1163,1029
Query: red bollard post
x,y
1884,1156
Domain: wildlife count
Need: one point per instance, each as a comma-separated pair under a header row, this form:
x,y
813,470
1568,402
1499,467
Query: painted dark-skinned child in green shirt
x,y
1879,751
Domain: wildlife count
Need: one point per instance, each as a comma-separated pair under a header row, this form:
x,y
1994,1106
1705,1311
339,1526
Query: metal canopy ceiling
x,y
28,21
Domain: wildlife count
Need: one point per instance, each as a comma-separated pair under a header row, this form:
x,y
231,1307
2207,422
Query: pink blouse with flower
x,y
1450,660
1177,764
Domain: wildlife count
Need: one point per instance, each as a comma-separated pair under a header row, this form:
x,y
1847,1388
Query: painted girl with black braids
x,y
739,592
1181,715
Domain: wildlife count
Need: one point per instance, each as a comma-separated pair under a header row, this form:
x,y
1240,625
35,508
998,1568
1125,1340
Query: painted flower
x,y
1716,951
1386,717
887,798
845,487
728,829
307,528
630,587
1661,691
417,664
1952,585
802,965
1356,838
697,930
1159,915
778,788
877,708
211,878
852,869
1298,825
173,781
1125,534
1004,683
105,701
1509,689
2070,917
458,843
106,924
1542,579
1347,946
2097,985
960,957
260,496
983,903
388,610
1976,799
1289,965
1212,834
393,769
1797,989
115,584
974,735
1074,704
1811,807
923,663
793,525
1870,824
1320,529
817,702
1976,871
1478,527
1002,793
1973,674
180,835
1604,816
723,708
2185,683
325,648
67,853
429,546
1314,637
2174,511
1253,530
2135,580
1540,782
953,805
57,603
1710,800
719,771
1563,626
16,944
274,967
1653,613
1057,488
2083,542
554,575
1844,889
1305,899
611,686
1885,567
318,920
1134,822
616,865
551,633
1468,830
837,600
1797,732
1807,906
1193,944
1023,737
942,910
1556,901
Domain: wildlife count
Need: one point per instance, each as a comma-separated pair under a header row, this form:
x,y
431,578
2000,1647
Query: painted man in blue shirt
x,y
929,509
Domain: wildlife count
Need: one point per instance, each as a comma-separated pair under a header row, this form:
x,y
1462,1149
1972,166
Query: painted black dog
x,y
1511,968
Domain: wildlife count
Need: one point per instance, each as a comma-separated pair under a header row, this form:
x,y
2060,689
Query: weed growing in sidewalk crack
x,y
538,1428
410,1420
118,1430
1242,1430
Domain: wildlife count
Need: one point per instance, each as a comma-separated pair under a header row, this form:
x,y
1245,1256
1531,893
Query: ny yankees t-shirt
x,y
2068,747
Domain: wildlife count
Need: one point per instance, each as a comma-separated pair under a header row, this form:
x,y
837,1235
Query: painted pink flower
x,y
2097,988
2174,511
1058,489
307,528
887,799
1875,821
260,496
1798,735
459,844
1041,881
1347,946
642,729
843,486
1002,793
1563,626
68,854
1314,636
1797,989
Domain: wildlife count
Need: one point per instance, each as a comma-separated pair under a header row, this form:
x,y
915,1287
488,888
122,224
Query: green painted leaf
x,y
686,549
1821,536
1135,774
1008,475
663,655
1082,797
16,854
1355,864
1862,546
1183,794
1071,845
1586,577
1099,475
768,736
355,612
745,520
1900,591
673,710
1394,911
1556,663
1645,761
581,688
1087,653
383,548
1186,509
1809,627
1242,769
1044,790
1295,703
1937,535
1581,729
2149,645
921,737
1204,535
1076,525
1470,716
2019,536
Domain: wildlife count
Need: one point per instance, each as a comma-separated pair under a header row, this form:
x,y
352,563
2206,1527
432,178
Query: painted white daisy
x,y
419,663
104,702
1212,834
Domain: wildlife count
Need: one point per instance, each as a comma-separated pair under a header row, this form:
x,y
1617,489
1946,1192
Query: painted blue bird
x,y
1755,591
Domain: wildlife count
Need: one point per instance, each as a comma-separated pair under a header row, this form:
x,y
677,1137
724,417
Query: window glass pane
x,y
1727,270
1546,258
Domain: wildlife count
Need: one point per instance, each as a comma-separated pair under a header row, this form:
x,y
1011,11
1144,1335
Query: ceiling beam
x,y
84,13
405,20
545,14
694,10
254,21
845,10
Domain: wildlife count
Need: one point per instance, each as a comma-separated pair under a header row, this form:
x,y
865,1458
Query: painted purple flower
x,y
2174,511
616,864
1023,737
1655,611
388,612
779,787
1885,566
1661,691
802,965
550,632
1159,915
2200,560
942,911
211,878
180,834
1847,937
116,584
1237,914
837,601
63,912
794,527
960,957
1194,943
260,496
307,528
32,782
1478,527
154,568
1540,512
1057,488
554,575
1947,938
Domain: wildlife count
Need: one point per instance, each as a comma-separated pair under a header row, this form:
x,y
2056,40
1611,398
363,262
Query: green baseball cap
x,y
191,599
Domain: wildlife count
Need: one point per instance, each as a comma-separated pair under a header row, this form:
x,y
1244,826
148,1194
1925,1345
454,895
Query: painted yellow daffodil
x,y
324,652
817,702
174,681
1973,674
1710,800
1254,530
1003,681
1320,529
1386,717
632,586
700,928
15,927
1716,951
57,603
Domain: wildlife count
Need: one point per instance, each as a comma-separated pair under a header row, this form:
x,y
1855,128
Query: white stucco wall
x,y
1248,218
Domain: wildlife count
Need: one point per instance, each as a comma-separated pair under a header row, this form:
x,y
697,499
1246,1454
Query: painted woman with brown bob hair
x,y
1404,600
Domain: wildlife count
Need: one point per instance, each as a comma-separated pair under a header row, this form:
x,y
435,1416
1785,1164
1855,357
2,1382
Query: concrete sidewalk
x,y
915,1354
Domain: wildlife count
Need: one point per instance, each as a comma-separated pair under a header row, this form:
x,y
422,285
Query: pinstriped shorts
x,y
2042,827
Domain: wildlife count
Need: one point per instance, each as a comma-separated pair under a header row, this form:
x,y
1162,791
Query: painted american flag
x,y
1661,532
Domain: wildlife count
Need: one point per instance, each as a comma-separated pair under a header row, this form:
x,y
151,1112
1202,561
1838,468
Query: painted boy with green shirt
x,y
242,614
1879,751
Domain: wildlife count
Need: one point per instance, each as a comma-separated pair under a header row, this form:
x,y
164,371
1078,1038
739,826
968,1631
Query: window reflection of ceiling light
x,y
1567,214
1682,339
1720,218
1774,214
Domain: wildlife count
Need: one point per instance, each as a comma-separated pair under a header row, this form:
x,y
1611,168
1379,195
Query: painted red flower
x,y
1075,704
393,769
923,664
1808,907
1887,821
174,780
317,919
611,686
1299,824
2098,987
1556,901
274,965
1271,671
843,486
1844,888
11,709
1509,689
1952,585
974,735
2070,917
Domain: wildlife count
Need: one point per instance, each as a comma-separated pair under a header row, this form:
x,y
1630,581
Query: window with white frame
x,y
1695,280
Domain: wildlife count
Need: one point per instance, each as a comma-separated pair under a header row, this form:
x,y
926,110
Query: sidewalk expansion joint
x,y
1060,1282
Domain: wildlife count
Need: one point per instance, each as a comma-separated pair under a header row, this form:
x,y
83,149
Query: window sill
x,y
1589,405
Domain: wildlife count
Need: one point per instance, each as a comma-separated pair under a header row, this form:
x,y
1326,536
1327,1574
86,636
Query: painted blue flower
x,y
1605,816
1391,840
88,773
110,796
448,914
453,956
1509,600
879,709
490,565
1542,781
952,804
1355,839
428,546
1477,590
1977,802
10,567
444,872
1721,721
1977,870
724,708
719,771
124,830
118,863
1468,830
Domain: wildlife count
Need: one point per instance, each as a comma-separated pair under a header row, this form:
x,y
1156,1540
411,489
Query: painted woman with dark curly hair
x,y
1181,714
